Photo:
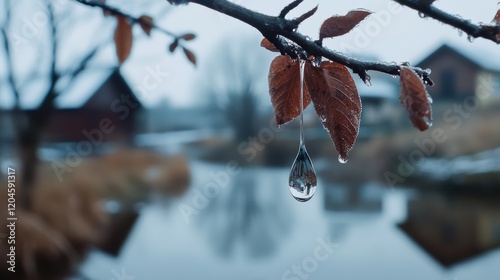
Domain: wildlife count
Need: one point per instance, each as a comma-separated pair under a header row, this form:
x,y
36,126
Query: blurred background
x,y
159,169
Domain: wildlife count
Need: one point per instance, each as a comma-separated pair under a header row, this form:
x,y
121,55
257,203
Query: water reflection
x,y
254,230
361,198
453,228
249,213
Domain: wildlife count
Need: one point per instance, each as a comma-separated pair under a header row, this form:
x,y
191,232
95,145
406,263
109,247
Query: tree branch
x,y
8,56
48,102
426,8
271,27
115,11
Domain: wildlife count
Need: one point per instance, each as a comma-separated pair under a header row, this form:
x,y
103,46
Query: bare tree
x,y
29,126
233,85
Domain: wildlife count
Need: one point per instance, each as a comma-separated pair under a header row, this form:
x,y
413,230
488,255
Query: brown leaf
x,y
188,36
146,23
496,19
268,45
340,25
284,89
190,55
336,102
123,38
173,46
415,99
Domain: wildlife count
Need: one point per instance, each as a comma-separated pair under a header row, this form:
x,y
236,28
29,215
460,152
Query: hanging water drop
x,y
470,38
427,121
460,33
429,98
422,15
368,81
302,180
342,159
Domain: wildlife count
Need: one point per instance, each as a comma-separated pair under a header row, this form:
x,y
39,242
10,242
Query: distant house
x,y
111,102
97,103
459,73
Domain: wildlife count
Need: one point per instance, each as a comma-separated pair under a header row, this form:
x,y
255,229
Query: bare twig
x,y
289,8
84,63
488,32
8,55
48,101
115,11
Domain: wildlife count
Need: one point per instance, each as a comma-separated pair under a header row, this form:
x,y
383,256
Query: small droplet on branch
x,y
422,15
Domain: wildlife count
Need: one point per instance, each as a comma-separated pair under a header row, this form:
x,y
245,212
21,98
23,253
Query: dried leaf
x,y
190,55
146,23
496,19
188,36
268,45
284,88
340,25
337,103
415,99
173,46
123,38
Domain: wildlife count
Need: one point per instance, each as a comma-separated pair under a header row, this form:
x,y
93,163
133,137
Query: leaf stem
x,y
302,64
115,11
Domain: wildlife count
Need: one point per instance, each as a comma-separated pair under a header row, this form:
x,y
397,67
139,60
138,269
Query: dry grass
x,y
68,216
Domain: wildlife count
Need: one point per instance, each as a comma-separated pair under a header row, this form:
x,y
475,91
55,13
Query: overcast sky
x,y
393,33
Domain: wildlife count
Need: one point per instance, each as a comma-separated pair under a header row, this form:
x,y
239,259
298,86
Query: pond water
x,y
250,227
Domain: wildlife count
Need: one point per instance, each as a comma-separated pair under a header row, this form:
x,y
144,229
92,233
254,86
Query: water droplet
x,y
428,71
470,38
429,98
406,63
394,76
422,15
428,121
342,159
460,33
302,180
368,80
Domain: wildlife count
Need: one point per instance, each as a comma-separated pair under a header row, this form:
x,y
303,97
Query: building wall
x,y
449,67
76,125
